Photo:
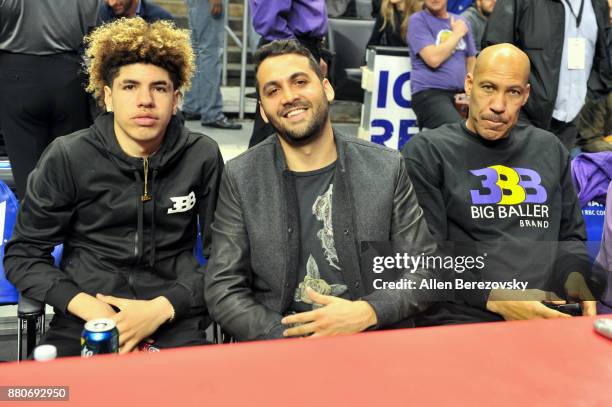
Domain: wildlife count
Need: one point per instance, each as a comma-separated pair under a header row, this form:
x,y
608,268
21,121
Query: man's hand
x,y
577,289
337,317
216,8
138,319
87,307
514,310
514,305
458,26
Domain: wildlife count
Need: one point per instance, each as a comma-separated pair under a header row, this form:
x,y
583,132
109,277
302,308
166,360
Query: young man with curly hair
x,y
124,197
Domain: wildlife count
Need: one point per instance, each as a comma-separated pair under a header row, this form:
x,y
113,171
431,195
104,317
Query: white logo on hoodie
x,y
182,203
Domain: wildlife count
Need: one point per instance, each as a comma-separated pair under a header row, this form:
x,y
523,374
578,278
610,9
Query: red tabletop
x,y
544,362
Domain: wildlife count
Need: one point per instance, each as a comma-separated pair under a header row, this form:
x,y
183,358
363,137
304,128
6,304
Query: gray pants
x,y
207,38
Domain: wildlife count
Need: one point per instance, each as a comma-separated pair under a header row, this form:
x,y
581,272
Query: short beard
x,y
310,133
126,9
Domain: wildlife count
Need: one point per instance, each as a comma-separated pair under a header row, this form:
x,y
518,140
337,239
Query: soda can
x,y
99,336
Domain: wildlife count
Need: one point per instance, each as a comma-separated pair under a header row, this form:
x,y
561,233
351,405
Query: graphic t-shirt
x,y
514,196
425,29
319,268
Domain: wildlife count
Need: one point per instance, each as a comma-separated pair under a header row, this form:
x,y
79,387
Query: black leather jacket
x,y
537,27
252,273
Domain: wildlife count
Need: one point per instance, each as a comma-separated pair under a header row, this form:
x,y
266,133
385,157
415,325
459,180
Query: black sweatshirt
x,y
87,193
509,194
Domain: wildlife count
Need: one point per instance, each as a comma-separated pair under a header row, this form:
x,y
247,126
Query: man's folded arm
x,y
44,216
228,275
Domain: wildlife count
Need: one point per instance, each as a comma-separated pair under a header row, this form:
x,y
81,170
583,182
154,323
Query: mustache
x,y
296,105
494,118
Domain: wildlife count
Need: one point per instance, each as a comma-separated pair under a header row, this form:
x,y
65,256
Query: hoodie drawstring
x,y
146,197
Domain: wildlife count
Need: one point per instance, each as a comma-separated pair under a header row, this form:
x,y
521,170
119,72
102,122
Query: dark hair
x,y
132,40
284,47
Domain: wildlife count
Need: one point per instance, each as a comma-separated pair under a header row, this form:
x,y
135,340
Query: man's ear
x,y
329,90
526,95
108,98
468,83
263,114
175,100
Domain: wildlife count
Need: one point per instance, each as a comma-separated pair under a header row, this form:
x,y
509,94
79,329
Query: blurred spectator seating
x,y
347,42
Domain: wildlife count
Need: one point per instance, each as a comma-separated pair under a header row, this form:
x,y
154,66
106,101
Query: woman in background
x,y
392,22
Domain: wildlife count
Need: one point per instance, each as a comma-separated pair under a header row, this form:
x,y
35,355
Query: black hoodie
x,y
88,194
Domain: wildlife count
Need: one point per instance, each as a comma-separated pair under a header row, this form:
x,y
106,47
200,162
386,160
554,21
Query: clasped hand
x,y
137,319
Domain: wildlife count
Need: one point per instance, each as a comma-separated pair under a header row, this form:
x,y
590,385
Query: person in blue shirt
x,y
458,6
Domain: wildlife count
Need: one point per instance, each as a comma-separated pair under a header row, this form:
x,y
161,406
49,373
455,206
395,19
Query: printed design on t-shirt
x,y
313,280
445,34
322,209
182,203
507,192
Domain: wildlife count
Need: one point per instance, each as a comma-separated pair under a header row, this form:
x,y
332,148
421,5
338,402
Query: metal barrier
x,y
243,45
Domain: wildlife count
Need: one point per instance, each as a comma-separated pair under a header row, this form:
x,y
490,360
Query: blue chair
x,y
30,313
8,214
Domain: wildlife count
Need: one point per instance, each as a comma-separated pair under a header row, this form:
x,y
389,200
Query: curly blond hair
x,y
132,40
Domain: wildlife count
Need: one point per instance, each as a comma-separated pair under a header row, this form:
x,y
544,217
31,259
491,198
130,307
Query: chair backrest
x,y
348,40
8,215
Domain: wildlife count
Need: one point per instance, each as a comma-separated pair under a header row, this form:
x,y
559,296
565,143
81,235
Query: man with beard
x,y
477,15
302,20
489,179
285,258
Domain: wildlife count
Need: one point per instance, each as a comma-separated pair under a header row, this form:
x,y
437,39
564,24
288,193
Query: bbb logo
x,y
182,203
508,186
